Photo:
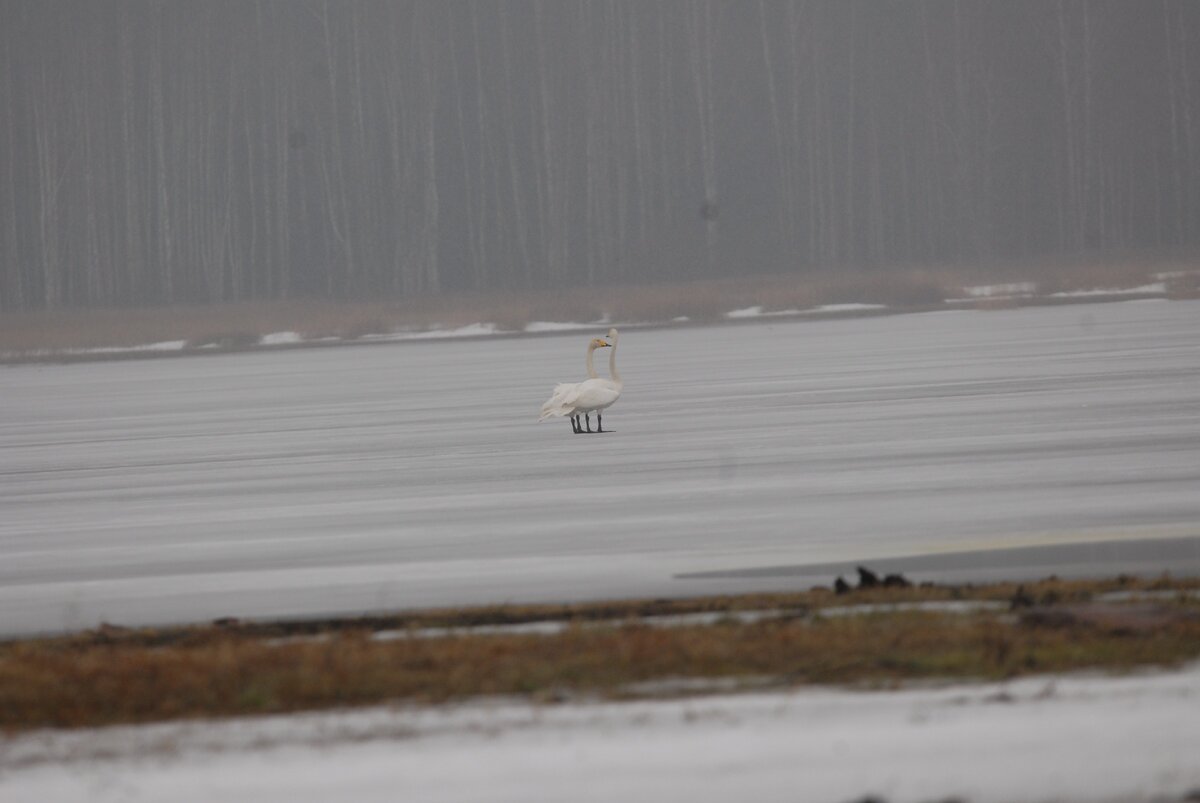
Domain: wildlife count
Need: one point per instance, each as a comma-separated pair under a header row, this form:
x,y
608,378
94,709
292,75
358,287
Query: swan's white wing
x,y
556,404
594,394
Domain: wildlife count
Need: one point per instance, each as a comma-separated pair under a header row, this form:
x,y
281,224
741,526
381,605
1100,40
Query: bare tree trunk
x,y
430,235
335,181
472,188
17,296
1072,200
551,200
516,198
165,233
700,34
488,181
783,169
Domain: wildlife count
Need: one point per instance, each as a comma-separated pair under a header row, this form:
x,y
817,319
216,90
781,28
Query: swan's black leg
x,y
575,424
599,423
588,418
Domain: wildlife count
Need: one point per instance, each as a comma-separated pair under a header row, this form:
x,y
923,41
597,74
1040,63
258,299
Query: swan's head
x,y
612,336
599,343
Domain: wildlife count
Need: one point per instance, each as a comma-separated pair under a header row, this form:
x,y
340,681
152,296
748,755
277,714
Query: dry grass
x,y
239,325
115,675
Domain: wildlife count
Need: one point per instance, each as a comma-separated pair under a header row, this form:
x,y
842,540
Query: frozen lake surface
x,y
745,457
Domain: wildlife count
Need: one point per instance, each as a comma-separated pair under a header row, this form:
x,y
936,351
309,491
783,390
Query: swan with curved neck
x,y
612,361
590,396
613,384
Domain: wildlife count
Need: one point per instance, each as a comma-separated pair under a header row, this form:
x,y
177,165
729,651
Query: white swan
x,y
559,402
590,396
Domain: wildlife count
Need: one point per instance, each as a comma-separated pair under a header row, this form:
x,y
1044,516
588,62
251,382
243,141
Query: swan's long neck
x,y
612,363
591,369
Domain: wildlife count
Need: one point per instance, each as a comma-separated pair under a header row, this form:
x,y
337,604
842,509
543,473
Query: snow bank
x,y
557,326
1067,739
757,311
1001,290
1026,289
1156,287
166,345
746,312
845,307
470,330
281,339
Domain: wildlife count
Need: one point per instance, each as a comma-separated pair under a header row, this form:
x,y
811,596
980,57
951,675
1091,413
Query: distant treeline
x,y
161,152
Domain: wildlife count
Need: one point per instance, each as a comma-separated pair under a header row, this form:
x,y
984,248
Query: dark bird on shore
x,y
896,581
840,586
867,578
1020,599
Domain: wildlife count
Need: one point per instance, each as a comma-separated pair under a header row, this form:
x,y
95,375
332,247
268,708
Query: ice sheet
x,y
345,480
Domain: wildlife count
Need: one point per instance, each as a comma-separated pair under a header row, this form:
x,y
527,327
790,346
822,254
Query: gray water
x,y
346,480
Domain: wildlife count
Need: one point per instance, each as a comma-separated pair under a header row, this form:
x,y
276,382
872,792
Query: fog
x,y
221,151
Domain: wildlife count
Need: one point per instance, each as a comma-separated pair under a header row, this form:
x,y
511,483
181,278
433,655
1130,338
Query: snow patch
x,y
844,308
280,339
551,627
757,311
560,326
746,312
166,345
1156,287
1001,290
1075,738
470,330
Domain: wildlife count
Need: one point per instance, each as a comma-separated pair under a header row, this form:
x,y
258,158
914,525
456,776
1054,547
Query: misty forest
x,y
160,153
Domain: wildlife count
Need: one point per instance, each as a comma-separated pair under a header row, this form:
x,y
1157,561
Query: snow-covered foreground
x,y
1063,739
